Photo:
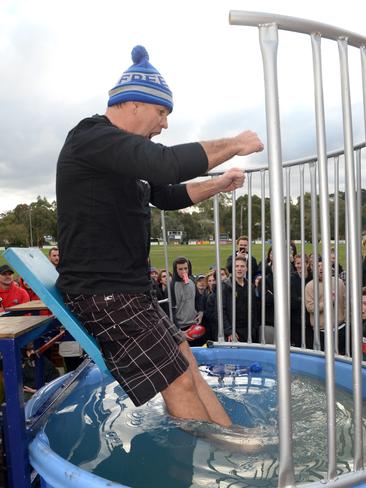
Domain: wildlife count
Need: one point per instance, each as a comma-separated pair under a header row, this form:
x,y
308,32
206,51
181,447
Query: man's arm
x,y
229,181
174,197
222,150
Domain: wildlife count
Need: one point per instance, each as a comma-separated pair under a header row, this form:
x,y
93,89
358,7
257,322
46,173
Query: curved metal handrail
x,y
294,24
295,162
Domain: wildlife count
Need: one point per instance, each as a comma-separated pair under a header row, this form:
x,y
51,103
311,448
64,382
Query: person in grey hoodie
x,y
186,301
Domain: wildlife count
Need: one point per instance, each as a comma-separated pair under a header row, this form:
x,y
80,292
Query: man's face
x,y
6,279
182,269
150,119
243,246
240,269
54,257
363,307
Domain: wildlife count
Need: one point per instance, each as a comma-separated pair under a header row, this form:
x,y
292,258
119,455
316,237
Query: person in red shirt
x,y
10,293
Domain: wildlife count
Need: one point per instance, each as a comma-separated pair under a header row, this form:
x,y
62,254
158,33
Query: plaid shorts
x,y
137,339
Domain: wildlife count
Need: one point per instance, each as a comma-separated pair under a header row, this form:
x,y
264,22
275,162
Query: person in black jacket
x,y
162,290
108,173
242,245
243,288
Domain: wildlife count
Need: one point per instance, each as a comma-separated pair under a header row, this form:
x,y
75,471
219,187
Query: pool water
x,y
99,429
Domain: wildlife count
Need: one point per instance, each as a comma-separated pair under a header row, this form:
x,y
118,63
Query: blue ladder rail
x,y
33,266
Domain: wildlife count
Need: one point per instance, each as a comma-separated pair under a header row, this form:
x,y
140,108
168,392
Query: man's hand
x,y
231,180
249,143
199,317
189,339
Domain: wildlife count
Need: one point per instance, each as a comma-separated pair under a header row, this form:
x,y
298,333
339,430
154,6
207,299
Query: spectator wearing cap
x,y
10,293
154,273
201,283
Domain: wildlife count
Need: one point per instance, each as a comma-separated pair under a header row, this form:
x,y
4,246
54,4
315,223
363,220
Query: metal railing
x,y
313,171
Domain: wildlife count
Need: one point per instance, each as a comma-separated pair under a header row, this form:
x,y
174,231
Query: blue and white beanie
x,y
141,83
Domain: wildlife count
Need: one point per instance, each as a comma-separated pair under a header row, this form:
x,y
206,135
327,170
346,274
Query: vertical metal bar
x,y
314,234
249,257
348,286
268,35
325,236
220,319
263,232
166,260
288,220
355,252
233,272
363,70
359,202
302,233
336,249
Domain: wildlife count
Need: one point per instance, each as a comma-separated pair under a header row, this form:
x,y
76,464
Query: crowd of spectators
x,y
194,298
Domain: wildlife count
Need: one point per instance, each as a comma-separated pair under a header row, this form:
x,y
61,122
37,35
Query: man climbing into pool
x,y
108,172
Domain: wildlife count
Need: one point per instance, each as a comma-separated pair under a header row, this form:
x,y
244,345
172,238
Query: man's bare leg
x,y
182,399
208,398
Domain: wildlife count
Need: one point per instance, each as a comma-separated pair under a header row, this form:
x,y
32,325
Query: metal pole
x,y
249,340
359,201
336,249
263,280
314,233
166,260
288,220
325,236
268,35
302,232
233,270
355,253
348,286
363,70
220,319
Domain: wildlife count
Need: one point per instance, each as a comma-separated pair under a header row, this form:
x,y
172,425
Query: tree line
x,y
28,225
199,224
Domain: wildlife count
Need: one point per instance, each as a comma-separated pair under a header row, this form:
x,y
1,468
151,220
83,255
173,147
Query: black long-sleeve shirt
x,y
106,178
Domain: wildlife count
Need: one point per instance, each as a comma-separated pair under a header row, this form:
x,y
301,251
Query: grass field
x,y
202,257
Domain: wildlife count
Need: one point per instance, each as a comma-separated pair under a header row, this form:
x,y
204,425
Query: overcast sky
x,y
59,59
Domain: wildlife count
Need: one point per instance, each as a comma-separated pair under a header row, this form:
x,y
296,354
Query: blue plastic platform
x,y
33,266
